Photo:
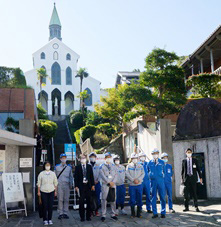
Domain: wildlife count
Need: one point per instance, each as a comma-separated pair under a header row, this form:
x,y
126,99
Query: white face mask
x,y
47,168
135,161
83,161
189,155
155,156
165,160
63,160
92,159
142,159
117,162
108,160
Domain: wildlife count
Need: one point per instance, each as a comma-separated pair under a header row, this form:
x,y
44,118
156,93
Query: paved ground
x,y
210,216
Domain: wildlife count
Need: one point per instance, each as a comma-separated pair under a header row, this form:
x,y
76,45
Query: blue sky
x,y
109,35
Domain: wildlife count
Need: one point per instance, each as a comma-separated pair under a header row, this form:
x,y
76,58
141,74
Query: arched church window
x,y
56,74
43,79
68,76
88,101
55,56
42,55
68,57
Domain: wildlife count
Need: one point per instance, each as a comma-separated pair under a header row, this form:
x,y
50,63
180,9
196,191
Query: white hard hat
x,y
164,155
141,154
155,151
116,156
93,153
134,155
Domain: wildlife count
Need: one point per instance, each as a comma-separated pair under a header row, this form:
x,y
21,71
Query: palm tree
x,y
41,75
82,73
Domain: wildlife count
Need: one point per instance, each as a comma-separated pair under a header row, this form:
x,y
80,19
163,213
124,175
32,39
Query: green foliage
x,y
106,129
12,78
11,124
100,140
47,129
85,132
193,96
205,85
82,73
181,60
93,118
83,95
42,113
76,119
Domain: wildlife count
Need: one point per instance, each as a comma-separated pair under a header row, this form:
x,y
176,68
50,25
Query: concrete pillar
x,y
211,60
164,143
49,107
192,69
62,107
26,127
201,65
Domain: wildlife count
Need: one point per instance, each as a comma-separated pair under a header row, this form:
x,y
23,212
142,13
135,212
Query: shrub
x,y
85,132
47,129
42,113
76,119
100,140
106,128
94,119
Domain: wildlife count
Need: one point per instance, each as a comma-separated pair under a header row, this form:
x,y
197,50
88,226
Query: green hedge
x,y
47,128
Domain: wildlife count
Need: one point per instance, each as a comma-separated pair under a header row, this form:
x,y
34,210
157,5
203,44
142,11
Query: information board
x,y
70,151
25,162
13,187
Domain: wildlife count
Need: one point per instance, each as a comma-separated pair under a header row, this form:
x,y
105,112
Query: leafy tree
x,y
106,129
47,129
93,118
5,76
41,73
100,140
42,113
76,119
82,73
165,80
205,85
11,124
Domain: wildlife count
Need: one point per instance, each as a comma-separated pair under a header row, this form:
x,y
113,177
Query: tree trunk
x,y
81,84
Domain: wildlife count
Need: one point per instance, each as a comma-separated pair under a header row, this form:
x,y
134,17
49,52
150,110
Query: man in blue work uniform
x,y
96,172
135,175
146,181
121,190
168,181
156,169
65,182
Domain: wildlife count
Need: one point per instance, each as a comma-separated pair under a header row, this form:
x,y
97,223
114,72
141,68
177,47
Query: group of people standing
x,y
151,178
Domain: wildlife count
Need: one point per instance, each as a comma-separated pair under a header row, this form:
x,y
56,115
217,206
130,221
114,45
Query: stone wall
x,y
211,147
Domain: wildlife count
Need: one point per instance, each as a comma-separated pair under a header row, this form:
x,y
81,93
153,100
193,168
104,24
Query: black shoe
x,y
82,220
103,219
60,216
132,211
114,218
65,216
163,215
197,209
155,216
149,211
139,212
186,209
88,219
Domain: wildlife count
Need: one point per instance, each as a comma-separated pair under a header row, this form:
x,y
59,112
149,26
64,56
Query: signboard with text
x,y
25,162
70,151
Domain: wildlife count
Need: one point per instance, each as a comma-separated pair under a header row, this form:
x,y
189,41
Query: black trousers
x,y
190,191
38,157
47,204
85,194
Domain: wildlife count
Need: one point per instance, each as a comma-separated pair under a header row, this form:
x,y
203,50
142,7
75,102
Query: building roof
x,y
54,17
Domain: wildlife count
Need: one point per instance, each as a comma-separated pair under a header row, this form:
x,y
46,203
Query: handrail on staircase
x,y
52,147
69,133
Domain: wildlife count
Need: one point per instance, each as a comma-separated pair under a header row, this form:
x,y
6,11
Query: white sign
x,y
44,151
13,187
26,177
25,162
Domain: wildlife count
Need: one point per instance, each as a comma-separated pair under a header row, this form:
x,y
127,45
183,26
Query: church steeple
x,y
55,25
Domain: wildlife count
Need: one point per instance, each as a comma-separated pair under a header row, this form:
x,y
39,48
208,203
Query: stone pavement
x,y
210,216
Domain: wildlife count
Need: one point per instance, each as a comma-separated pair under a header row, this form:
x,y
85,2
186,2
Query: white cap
x,y
141,154
155,151
116,156
133,155
164,155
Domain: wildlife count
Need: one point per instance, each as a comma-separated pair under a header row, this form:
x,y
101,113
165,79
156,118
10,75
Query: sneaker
x,y
103,219
45,222
186,209
155,216
149,211
97,214
50,222
172,211
117,212
65,216
114,218
163,215
60,216
123,212
197,209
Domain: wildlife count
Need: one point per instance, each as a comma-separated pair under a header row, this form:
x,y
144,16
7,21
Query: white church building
x,y
61,86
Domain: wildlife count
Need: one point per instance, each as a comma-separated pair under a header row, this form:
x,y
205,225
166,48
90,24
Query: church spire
x,y
55,25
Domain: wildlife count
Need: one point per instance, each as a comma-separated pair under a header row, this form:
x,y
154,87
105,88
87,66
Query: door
x,y
201,189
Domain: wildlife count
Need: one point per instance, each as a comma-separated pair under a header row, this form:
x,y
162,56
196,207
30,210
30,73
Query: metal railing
x,y
217,71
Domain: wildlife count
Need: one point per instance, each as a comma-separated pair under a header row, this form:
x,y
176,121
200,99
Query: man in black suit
x,y
190,168
84,184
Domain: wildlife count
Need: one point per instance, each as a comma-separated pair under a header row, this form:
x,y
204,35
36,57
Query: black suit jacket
x,y
195,170
78,176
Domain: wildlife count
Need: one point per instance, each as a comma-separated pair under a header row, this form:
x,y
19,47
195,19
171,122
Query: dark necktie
x,y
189,168
84,171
